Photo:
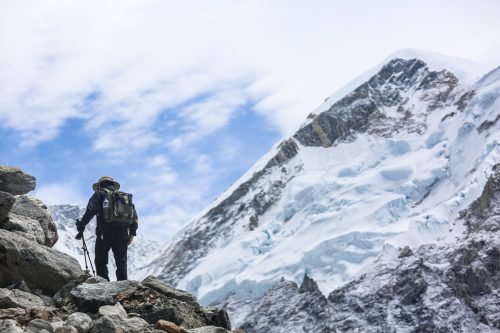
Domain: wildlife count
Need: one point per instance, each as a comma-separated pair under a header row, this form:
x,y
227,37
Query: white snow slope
x,y
400,178
140,252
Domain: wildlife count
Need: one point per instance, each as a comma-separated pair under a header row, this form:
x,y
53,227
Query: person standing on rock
x,y
116,225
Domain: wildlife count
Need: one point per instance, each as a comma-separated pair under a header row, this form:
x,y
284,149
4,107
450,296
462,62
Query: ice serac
x,y
389,165
450,287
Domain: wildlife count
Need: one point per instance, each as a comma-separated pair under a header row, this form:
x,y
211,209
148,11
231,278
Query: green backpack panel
x,y
118,208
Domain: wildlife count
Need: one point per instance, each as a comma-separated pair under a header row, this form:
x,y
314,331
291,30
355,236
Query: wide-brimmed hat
x,y
96,186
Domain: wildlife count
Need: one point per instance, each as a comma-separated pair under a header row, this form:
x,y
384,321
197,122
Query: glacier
x,y
387,163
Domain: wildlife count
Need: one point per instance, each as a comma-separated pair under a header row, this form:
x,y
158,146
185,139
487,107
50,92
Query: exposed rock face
x,y
371,98
35,209
39,326
208,329
152,300
285,309
13,180
153,305
25,227
143,309
18,299
90,297
113,310
107,324
10,326
164,289
81,321
6,202
39,266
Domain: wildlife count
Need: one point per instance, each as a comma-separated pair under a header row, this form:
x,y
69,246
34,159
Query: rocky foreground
x,y
45,290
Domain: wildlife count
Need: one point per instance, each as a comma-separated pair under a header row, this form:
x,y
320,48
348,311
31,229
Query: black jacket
x,y
94,208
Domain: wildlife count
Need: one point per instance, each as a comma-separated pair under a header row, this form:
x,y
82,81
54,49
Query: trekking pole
x,y
86,252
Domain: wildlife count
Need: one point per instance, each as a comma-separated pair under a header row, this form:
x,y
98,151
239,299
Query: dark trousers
x,y
117,242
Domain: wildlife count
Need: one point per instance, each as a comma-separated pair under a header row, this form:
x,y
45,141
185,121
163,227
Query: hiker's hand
x,y
80,226
79,235
130,239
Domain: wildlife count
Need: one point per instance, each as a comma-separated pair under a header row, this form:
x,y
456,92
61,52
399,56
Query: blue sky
x,y
176,100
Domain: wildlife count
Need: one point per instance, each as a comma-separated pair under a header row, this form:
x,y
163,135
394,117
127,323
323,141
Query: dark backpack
x,y
118,208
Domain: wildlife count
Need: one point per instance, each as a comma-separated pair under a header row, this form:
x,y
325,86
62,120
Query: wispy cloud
x,y
151,84
58,193
149,56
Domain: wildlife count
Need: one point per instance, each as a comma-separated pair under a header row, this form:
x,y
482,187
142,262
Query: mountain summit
x,y
388,166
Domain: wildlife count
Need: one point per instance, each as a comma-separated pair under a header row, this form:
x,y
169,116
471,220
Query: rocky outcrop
x,y
164,289
13,180
35,209
25,227
26,235
6,202
39,266
364,108
89,297
288,308
23,214
46,290
118,324
18,299
154,304
120,306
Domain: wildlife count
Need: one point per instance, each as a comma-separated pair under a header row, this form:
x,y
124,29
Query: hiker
x,y
116,225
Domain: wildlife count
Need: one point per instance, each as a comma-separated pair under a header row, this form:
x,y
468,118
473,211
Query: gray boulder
x,y
208,329
153,306
95,279
39,326
10,326
80,321
104,325
113,311
90,297
15,181
56,323
134,324
6,202
11,313
39,266
25,227
19,299
107,324
163,288
33,208
65,329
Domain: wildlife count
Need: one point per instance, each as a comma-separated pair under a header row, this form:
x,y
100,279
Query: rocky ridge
x,y
45,290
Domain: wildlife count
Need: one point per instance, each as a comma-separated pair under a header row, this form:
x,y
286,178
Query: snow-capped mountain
x,y
140,252
388,162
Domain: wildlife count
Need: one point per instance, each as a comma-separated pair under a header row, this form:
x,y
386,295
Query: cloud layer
x,y
156,81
